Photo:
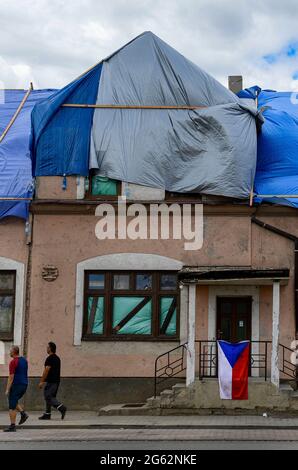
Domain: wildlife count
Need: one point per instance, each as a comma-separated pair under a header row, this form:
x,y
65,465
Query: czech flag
x,y
233,360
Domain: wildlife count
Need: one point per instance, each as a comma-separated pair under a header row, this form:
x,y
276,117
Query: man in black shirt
x,y
51,379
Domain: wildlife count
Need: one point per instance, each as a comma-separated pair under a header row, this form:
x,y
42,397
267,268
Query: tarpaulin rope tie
x,y
64,183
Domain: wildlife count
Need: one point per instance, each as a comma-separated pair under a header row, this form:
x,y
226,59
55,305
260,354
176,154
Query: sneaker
x,y
11,428
45,416
24,418
63,410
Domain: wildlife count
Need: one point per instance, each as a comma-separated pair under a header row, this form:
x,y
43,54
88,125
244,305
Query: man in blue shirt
x,y
16,387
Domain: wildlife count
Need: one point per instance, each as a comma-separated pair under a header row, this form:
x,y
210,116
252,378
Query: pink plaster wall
x,y
271,250
50,187
13,239
12,245
65,240
202,312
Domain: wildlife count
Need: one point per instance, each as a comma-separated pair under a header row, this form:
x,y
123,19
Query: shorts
x,y
16,392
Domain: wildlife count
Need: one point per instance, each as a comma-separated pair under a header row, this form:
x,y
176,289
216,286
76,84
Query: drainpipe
x,y
29,239
294,239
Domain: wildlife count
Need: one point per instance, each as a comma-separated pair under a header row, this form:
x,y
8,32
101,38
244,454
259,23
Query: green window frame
x,y
131,305
7,304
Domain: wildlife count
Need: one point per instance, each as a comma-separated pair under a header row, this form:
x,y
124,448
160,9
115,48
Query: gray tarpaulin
x,y
210,150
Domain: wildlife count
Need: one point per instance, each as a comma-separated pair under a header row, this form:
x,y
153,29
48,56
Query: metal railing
x,y
169,364
173,362
208,358
286,367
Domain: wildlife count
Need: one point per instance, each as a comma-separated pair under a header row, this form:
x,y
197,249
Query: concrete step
x,y
203,398
285,387
153,402
166,393
178,387
126,409
151,407
151,399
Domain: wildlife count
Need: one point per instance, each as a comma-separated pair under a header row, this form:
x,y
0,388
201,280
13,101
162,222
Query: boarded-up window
x,y
131,305
7,304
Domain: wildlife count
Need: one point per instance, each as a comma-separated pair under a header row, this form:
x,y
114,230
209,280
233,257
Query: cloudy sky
x,y
50,42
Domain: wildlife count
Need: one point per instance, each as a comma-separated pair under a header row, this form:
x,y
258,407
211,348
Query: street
x,y
150,439
147,445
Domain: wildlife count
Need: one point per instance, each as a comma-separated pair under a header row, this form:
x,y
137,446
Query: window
x,y
99,186
7,303
131,305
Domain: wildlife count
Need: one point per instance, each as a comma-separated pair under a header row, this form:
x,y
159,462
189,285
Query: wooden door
x,y
234,318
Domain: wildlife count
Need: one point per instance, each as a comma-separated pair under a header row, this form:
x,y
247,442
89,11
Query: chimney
x,y
235,83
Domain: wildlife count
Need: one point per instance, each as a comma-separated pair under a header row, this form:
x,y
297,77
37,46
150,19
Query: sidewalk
x,y
90,420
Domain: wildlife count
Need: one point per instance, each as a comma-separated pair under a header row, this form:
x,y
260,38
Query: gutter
x,y
294,239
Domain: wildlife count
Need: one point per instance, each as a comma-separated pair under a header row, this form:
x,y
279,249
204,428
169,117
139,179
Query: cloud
x,y
52,42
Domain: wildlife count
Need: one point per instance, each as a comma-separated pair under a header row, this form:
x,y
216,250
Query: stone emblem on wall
x,y
50,273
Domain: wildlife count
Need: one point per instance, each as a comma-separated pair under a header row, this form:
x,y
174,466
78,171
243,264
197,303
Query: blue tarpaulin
x,y
15,161
277,156
61,136
210,149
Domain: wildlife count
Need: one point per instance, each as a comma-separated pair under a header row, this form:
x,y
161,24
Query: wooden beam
x,y
15,198
289,196
168,318
124,106
251,198
92,315
131,314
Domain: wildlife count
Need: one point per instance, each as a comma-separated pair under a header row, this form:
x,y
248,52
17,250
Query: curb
x,y
156,426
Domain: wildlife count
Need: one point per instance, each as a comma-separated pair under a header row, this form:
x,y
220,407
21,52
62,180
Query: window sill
x,y
102,197
131,339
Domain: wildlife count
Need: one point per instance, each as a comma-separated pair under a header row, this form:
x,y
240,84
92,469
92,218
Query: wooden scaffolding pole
x,y
285,196
124,106
17,112
251,197
15,198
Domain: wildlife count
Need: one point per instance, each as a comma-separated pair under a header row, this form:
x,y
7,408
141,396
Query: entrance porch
x,y
234,315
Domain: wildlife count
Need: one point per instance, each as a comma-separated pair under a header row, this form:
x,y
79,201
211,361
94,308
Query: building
x,y
115,305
